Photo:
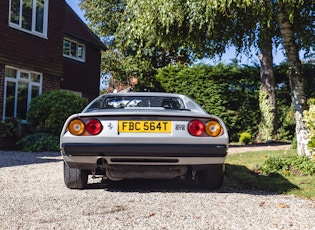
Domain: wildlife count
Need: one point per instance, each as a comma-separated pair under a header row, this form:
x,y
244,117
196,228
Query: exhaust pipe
x,y
101,163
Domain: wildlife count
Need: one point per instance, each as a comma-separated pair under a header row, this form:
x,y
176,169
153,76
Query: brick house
x,y
44,45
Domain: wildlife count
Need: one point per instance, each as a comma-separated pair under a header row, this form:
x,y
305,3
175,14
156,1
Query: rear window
x,y
120,102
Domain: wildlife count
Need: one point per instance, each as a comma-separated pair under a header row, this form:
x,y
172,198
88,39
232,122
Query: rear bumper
x,y
144,150
86,156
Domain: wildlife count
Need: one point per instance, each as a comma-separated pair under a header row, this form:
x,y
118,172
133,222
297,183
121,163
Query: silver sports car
x,y
143,136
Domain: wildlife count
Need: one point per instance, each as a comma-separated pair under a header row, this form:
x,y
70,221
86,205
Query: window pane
x,y
35,77
35,91
10,72
15,11
10,97
73,49
22,100
27,14
66,47
39,15
80,51
24,75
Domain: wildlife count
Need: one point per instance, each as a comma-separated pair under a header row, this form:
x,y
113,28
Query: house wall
x,y
45,55
83,76
2,72
27,51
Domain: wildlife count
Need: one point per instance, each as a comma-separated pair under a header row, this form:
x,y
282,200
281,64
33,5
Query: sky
x,y
230,54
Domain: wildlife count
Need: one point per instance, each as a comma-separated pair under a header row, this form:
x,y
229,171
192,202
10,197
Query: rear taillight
x,y
213,128
93,127
77,127
196,127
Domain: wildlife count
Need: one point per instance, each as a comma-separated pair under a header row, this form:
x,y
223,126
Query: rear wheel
x,y
75,178
212,177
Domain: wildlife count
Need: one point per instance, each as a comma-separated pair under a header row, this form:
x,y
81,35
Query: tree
x,y
204,26
207,29
267,100
289,36
135,59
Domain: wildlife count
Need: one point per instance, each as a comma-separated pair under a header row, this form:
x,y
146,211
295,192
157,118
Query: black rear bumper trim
x,y
146,150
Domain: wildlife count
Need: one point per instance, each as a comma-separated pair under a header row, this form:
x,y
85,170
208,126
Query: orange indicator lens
x,y
76,127
213,128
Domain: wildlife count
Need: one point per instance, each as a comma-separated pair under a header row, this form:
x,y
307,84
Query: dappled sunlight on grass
x,y
243,168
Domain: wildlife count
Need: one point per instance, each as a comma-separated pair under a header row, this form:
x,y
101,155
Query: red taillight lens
x,y
196,127
93,127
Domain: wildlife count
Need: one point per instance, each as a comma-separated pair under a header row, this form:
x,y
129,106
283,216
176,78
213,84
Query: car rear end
x,y
134,136
143,146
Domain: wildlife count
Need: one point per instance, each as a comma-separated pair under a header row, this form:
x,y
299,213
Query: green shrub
x,y
230,92
294,143
39,142
302,163
245,138
309,118
297,165
273,165
286,122
49,111
10,127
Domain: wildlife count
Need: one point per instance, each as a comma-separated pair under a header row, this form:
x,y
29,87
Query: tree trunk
x,y
295,78
267,98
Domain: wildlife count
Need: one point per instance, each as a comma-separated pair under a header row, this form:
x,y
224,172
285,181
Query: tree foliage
x,y
230,92
126,60
309,116
210,26
204,28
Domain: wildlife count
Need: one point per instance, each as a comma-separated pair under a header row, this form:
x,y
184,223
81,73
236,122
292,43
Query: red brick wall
x,y
50,83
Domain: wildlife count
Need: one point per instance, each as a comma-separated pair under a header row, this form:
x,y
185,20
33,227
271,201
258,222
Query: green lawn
x,y
243,168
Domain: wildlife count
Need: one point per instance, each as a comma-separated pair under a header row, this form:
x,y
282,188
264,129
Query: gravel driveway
x,y
33,196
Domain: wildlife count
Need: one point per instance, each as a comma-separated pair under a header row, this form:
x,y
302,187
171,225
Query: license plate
x,y
144,126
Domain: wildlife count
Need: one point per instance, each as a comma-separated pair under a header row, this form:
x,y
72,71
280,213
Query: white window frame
x,y
77,45
18,80
33,29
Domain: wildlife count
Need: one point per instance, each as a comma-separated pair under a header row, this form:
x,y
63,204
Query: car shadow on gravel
x,y
178,186
269,185
149,185
16,158
167,186
250,179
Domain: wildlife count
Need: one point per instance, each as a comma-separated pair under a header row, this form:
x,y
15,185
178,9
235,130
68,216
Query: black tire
x,y
75,178
211,178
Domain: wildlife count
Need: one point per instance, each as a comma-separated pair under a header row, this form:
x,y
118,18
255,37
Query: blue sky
x,y
226,58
